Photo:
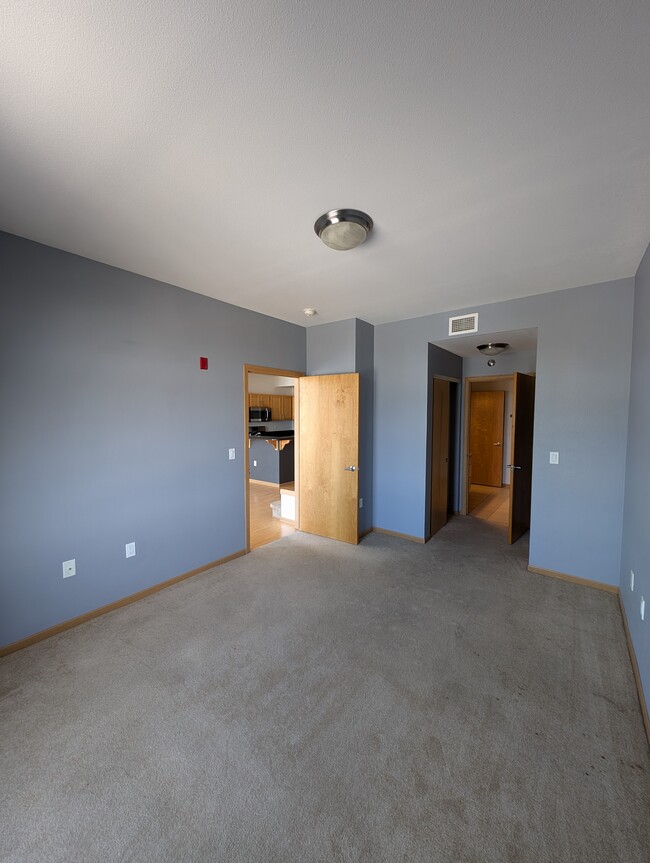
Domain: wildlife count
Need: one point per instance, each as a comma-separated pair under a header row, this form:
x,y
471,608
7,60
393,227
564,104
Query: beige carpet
x,y
319,702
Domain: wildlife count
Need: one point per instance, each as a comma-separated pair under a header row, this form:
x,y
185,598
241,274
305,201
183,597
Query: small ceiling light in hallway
x,y
493,349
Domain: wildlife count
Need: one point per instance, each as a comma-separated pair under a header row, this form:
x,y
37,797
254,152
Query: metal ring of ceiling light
x,y
343,229
493,349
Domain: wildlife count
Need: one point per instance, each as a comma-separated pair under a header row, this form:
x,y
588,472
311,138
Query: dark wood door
x,y
439,456
521,468
486,437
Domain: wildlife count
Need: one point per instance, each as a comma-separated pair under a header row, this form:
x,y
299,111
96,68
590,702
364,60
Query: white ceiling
x,y
502,148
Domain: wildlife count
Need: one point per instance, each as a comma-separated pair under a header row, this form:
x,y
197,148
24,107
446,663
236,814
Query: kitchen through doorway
x,y
270,397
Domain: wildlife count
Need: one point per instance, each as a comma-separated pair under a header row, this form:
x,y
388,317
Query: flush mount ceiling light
x,y
310,312
493,349
343,229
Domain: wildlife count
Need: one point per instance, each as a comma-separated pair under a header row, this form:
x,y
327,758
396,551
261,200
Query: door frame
x,y
285,373
453,479
467,398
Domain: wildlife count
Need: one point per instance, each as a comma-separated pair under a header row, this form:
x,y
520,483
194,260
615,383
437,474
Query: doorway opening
x,y
498,446
271,464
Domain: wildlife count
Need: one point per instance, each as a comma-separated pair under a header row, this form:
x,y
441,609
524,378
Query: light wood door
x,y
329,447
486,437
521,468
439,456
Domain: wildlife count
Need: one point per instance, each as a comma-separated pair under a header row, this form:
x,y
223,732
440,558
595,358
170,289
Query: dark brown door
x,y
521,469
329,456
486,437
439,456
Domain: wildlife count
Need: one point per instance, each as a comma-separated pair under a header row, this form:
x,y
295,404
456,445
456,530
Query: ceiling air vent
x,y
463,324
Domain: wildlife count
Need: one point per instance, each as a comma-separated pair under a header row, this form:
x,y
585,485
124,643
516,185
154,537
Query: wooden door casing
x,y
486,437
439,455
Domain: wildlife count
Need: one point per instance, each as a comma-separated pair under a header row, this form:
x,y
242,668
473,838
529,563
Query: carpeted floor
x,y
319,702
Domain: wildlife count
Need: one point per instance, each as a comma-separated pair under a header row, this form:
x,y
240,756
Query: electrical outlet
x,y
130,549
631,579
231,454
642,608
360,503
69,568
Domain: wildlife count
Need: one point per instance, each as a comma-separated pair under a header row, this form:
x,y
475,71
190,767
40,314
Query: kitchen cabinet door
x,y
275,404
287,408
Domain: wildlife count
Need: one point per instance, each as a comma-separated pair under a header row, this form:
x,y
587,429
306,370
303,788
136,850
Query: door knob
x,y
498,443
513,466
352,467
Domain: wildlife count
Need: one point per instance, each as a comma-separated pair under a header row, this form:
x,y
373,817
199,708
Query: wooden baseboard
x,y
264,482
112,606
635,670
585,582
398,535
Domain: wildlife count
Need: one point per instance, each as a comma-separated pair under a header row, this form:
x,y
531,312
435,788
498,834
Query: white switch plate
x,y
642,608
631,579
554,458
254,463
231,454
69,568
360,503
130,549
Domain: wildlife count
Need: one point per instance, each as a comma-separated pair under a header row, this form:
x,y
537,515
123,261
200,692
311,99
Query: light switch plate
x,y
231,454
554,458
130,549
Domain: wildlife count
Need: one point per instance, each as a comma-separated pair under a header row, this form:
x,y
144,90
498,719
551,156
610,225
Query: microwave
x,y
257,415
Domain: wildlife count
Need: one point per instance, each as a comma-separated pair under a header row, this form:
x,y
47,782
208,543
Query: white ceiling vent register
x,y
463,324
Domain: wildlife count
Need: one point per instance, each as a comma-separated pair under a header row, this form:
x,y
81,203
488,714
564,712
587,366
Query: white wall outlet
x,y
642,609
631,579
360,503
254,462
69,568
554,458
130,549
231,454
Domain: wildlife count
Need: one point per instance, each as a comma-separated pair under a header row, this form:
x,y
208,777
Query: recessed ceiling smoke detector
x,y
343,229
493,349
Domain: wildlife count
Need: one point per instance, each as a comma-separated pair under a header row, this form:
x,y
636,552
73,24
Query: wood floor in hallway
x,y
490,504
264,528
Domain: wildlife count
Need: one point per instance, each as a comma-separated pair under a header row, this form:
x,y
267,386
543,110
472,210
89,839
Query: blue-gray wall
x,y
636,522
582,399
110,433
331,348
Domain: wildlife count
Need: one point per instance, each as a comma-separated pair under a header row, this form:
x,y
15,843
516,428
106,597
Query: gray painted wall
x,y
636,535
110,433
331,348
581,410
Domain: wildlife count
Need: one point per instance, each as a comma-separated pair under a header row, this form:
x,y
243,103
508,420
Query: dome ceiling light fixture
x,y
343,229
493,349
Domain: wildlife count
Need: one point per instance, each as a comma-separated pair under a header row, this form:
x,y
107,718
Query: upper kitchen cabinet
x,y
281,406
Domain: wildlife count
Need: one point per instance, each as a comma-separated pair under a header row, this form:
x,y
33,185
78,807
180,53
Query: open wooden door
x,y
486,437
328,428
439,456
522,455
